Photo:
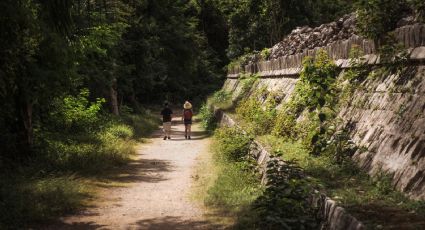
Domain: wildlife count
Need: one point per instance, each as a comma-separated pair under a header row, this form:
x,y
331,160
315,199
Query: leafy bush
x,y
284,203
232,144
315,89
77,113
221,99
259,118
265,53
207,116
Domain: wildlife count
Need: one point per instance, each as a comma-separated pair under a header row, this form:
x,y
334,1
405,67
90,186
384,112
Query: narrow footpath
x,y
157,190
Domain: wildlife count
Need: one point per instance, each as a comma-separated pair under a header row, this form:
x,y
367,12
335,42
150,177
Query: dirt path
x,y
157,195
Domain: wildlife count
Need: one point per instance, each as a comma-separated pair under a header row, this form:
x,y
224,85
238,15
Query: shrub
x,y
315,89
284,203
232,144
265,53
221,99
207,116
259,118
76,113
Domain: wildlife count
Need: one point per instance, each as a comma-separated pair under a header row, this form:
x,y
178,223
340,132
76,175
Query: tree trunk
x,y
114,98
24,125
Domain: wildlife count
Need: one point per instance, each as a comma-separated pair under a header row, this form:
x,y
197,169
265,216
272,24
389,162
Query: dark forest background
x,y
129,52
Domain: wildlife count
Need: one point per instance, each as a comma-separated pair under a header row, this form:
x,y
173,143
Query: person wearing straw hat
x,y
187,119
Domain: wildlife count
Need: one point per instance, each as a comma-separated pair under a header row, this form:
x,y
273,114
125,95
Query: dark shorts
x,y
187,122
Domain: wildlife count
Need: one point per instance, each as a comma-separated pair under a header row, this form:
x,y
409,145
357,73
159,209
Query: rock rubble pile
x,y
305,37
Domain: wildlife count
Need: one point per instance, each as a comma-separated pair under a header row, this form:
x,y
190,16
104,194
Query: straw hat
x,y
187,105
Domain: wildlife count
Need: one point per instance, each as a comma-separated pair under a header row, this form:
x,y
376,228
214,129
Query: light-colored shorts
x,y
167,127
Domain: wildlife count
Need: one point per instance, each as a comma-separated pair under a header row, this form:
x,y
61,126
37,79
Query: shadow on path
x,y
176,223
74,226
141,170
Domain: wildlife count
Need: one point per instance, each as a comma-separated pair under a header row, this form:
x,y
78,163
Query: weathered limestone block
x,y
418,53
391,126
336,217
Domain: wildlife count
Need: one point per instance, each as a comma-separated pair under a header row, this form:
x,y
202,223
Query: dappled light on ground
x,y
150,192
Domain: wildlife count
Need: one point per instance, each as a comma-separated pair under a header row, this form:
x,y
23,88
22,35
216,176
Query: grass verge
x,y
226,183
63,175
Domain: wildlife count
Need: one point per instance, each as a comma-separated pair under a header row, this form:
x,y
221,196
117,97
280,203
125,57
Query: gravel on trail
x,y
157,188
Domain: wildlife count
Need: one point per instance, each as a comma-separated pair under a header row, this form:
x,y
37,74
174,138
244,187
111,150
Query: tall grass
x,y
56,180
235,184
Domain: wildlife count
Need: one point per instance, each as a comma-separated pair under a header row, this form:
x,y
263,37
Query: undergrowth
x,y
81,145
237,190
236,185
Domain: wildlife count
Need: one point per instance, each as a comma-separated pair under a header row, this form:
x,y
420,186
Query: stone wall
x,y
332,216
386,119
289,63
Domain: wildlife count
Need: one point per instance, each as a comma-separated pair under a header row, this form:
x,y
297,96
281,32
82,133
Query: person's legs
x,y
164,129
189,130
167,129
185,131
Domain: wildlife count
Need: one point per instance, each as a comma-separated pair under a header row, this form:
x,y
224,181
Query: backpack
x,y
187,114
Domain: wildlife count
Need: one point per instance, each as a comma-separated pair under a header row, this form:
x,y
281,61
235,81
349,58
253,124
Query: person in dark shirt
x,y
166,120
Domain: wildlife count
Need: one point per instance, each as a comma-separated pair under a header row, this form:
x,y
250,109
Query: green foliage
x,y
255,25
247,81
418,7
234,189
340,145
54,183
237,185
284,203
258,117
394,56
221,99
143,124
265,53
206,114
315,90
375,18
232,144
240,61
344,181
77,113
25,200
